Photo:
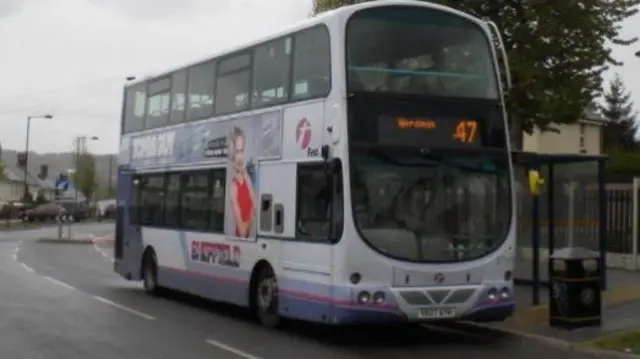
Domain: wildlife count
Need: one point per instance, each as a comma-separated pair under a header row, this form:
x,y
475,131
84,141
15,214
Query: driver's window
x,y
317,204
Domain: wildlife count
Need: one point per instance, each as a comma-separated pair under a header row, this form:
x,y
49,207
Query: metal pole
x,y
602,220
571,198
535,236
59,226
26,159
634,222
77,166
551,227
69,229
111,158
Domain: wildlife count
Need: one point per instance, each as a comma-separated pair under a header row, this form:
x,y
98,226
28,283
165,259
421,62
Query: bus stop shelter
x,y
569,211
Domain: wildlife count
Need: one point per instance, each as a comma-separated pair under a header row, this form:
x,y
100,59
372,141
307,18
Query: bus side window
x,y
319,204
311,64
266,215
134,109
218,189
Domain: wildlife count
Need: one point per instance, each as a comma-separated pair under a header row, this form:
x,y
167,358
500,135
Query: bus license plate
x,y
436,313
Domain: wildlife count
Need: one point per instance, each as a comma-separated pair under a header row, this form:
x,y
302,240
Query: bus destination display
x,y
431,132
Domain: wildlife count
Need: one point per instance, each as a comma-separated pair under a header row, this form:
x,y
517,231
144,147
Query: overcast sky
x,y
70,57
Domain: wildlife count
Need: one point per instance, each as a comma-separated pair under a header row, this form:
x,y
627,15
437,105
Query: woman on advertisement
x,y
242,195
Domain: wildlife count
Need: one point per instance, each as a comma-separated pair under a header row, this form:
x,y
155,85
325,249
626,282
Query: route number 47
x,y
465,131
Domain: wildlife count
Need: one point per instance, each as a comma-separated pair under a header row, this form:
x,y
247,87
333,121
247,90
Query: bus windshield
x,y
419,51
427,208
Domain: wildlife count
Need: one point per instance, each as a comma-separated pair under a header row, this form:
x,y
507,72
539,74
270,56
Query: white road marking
x,y
27,268
60,283
69,286
232,350
104,254
124,308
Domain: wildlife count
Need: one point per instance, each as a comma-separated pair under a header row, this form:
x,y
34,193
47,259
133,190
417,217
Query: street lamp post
x,y
81,144
26,151
111,161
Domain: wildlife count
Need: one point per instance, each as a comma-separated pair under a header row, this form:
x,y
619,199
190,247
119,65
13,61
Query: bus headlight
x,y
504,293
493,295
378,297
364,297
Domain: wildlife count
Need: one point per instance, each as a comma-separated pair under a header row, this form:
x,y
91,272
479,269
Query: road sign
x,y
62,186
62,182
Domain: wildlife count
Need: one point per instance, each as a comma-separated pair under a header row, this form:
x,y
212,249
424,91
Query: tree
x,y
557,52
40,199
27,198
84,178
2,168
620,129
105,193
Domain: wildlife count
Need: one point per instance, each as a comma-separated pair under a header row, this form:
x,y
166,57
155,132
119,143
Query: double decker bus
x,y
352,168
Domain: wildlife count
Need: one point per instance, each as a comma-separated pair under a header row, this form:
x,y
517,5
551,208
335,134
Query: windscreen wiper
x,y
395,154
386,157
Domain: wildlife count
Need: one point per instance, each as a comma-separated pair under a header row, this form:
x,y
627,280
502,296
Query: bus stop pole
x,y
571,189
69,229
59,227
551,225
535,181
535,239
634,223
602,220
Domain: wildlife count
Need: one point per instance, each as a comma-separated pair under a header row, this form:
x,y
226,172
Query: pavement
x,y
622,294
615,318
65,301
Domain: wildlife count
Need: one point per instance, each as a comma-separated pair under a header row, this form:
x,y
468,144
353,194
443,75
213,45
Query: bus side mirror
x,y
324,151
336,166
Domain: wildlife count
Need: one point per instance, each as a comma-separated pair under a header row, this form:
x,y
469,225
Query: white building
x,y
582,137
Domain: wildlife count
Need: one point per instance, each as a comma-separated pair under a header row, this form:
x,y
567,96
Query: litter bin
x,y
574,288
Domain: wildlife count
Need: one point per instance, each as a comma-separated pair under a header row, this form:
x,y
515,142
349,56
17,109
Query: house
x,y
583,136
12,185
70,194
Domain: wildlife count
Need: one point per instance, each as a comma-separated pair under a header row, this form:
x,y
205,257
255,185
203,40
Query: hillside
x,y
59,162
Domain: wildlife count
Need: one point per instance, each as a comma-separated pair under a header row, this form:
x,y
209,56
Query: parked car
x,y
43,212
109,212
12,210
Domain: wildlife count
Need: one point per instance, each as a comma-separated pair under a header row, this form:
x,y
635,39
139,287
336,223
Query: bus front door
x,y
128,236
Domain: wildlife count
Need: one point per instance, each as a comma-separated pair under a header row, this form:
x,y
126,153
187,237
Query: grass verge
x,y
5,225
625,341
19,224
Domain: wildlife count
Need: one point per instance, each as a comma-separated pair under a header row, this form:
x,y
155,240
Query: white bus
x,y
353,168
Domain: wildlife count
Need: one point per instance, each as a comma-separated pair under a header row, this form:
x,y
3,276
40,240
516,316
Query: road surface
x,y
64,301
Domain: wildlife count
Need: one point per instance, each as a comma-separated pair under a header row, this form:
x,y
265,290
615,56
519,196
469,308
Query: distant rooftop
x,y
16,174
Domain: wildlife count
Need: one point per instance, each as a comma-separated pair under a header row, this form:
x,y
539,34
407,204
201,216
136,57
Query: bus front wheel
x,y
150,272
266,298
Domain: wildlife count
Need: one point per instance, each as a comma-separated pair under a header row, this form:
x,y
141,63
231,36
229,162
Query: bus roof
x,y
316,20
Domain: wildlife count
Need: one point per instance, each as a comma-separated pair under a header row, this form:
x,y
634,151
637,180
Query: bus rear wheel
x,y
265,297
150,273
